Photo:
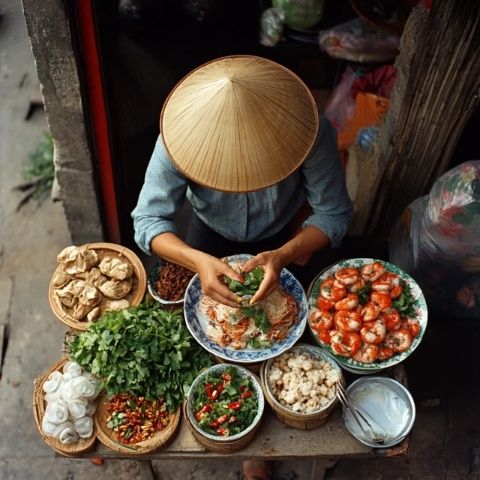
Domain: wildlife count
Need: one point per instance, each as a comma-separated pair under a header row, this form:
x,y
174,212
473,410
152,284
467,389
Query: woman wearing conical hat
x,y
242,140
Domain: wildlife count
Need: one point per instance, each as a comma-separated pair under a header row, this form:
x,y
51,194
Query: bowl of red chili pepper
x,y
225,405
167,282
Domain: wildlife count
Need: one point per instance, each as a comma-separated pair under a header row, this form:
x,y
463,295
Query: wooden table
x,y
277,441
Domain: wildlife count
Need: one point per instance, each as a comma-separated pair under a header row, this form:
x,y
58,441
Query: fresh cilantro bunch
x,y
406,303
143,351
251,282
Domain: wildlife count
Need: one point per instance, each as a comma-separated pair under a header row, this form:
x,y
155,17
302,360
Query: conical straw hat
x,y
239,124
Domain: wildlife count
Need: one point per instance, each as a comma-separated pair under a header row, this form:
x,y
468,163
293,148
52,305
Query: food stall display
x,y
131,373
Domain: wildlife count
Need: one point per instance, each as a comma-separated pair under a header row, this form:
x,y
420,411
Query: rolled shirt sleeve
x,y
326,191
160,199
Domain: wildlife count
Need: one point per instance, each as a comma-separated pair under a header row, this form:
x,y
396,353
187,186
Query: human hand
x,y
211,271
271,263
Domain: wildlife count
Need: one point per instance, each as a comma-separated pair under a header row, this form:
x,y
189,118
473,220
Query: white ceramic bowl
x,y
218,369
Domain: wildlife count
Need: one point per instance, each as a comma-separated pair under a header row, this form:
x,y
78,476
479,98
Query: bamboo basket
x,y
219,447
299,421
69,450
106,435
135,296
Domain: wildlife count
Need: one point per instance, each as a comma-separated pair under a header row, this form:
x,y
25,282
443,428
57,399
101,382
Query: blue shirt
x,y
247,216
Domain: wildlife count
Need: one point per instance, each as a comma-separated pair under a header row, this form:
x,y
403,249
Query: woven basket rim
x,y
83,445
160,439
137,297
282,410
219,447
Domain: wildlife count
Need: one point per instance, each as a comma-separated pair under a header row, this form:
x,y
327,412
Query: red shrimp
x,y
321,320
348,303
399,340
358,285
324,304
345,344
330,291
392,319
370,311
347,276
382,299
372,271
386,282
348,320
367,353
373,332
396,291
385,352
412,325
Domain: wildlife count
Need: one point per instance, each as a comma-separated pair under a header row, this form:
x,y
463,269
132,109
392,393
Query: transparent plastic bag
x,y
437,241
359,41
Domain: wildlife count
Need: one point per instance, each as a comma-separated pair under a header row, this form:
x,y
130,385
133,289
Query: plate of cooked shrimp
x,y
367,314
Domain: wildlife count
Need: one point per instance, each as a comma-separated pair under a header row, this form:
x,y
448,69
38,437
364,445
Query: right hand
x,y
211,271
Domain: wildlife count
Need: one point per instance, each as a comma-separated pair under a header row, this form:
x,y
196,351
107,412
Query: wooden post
x,y
437,92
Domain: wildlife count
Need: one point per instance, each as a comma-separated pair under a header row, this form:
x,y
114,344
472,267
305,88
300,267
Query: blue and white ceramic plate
x,y
421,315
197,322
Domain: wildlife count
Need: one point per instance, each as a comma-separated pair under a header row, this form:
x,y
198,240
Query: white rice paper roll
x,y
53,383
57,412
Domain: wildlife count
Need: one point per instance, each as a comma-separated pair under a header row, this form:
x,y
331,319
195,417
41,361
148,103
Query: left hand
x,y
271,263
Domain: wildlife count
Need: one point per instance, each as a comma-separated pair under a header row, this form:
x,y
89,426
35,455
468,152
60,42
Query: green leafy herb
x,y
143,351
229,412
364,294
406,303
259,317
250,284
255,342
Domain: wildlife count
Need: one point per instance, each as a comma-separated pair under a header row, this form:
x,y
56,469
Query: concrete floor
x,y
445,443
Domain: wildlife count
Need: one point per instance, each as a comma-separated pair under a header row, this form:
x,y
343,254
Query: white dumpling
x,y
66,433
61,278
77,259
80,311
91,408
71,370
90,296
57,412
116,289
53,382
77,407
116,268
116,305
81,387
94,314
83,426
48,428
69,294
97,384
52,397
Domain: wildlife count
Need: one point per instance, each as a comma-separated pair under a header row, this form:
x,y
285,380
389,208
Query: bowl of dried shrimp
x,y
367,314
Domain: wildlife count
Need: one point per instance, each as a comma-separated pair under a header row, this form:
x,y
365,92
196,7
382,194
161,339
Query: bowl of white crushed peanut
x,y
300,386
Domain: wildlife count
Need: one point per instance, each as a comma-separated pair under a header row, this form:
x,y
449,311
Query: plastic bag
x,y
437,241
359,41
341,103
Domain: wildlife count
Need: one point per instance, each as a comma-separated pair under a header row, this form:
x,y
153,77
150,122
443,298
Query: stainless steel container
x,y
388,402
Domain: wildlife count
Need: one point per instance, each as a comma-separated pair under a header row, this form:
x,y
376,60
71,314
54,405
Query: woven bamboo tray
x,y
69,450
220,447
135,296
106,435
290,418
